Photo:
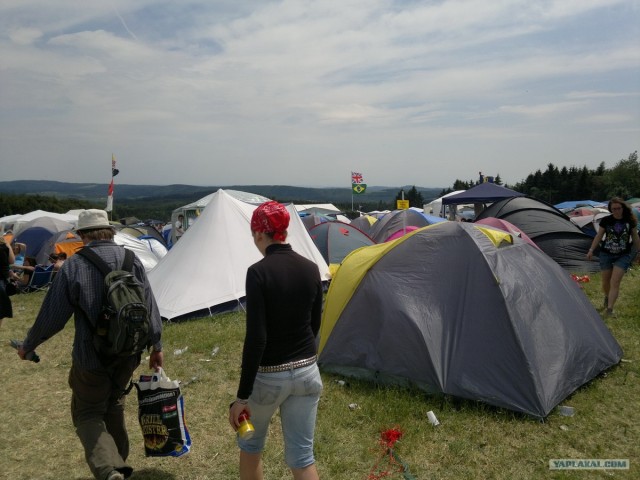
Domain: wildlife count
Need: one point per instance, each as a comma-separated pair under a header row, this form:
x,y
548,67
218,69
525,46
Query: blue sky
x,y
303,92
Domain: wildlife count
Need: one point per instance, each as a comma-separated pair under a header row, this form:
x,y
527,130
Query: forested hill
x,y
98,192
159,200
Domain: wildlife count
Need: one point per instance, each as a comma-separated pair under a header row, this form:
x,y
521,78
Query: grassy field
x,y
473,441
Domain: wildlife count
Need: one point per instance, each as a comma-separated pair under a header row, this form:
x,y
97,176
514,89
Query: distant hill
x,y
182,194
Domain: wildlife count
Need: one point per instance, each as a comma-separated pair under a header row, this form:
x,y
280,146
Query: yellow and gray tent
x,y
464,310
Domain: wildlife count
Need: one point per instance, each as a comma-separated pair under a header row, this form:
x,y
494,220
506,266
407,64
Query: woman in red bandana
x,y
279,370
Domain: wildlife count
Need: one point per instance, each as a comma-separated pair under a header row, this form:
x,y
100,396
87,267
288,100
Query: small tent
x,y
549,228
141,248
36,235
507,227
23,221
335,240
66,241
468,311
205,271
364,223
398,220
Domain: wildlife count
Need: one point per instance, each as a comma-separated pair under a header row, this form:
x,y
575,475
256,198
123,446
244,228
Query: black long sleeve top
x,y
284,306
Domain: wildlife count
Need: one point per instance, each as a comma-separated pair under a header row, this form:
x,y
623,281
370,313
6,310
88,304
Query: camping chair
x,y
40,279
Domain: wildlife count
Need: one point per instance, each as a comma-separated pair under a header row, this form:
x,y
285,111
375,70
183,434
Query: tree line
x,y
556,185
553,186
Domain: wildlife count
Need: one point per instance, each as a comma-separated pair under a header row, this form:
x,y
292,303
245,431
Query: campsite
x,y
473,440
474,323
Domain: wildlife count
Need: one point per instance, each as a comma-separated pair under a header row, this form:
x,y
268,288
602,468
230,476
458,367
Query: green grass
x,y
473,441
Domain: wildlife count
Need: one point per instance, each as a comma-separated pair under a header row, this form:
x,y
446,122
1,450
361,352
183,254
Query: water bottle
x,y
245,430
31,356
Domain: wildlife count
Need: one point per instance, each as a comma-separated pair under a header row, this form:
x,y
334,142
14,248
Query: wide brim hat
x,y
92,219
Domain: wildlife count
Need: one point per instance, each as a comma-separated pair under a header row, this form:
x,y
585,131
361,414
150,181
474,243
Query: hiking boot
x,y
115,475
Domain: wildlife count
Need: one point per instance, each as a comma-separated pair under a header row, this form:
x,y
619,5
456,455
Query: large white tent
x,y
191,211
205,270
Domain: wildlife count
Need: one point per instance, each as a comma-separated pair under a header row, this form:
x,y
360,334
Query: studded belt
x,y
287,366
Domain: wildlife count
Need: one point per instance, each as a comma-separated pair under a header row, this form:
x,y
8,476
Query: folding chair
x,y
40,279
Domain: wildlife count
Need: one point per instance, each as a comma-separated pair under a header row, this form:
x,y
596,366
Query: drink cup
x,y
432,418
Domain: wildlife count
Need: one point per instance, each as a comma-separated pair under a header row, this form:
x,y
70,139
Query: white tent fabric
x,y
322,209
192,211
435,207
207,267
19,220
139,247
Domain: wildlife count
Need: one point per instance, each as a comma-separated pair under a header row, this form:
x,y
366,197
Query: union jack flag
x,y
356,177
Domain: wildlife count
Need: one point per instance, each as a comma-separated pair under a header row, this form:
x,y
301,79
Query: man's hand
x,y
22,352
156,360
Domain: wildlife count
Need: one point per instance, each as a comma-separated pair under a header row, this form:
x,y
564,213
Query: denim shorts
x,y
296,393
622,260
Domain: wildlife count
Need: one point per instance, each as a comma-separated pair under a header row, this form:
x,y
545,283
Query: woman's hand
x,y
235,409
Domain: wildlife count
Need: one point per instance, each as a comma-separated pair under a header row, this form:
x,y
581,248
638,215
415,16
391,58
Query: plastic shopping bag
x,y
161,416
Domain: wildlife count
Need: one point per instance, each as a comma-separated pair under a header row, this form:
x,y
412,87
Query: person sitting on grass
x,y
25,272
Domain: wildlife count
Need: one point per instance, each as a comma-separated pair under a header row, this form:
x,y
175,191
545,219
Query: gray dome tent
x,y
549,228
465,310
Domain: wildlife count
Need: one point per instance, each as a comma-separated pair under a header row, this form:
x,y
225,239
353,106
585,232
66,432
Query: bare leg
x,y
614,286
250,466
606,282
307,473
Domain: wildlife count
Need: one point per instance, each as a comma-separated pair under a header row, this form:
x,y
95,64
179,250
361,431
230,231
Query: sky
x,y
266,92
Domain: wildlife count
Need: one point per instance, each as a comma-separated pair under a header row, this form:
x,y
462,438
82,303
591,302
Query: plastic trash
x,y
342,383
353,406
193,379
566,411
215,350
180,351
432,418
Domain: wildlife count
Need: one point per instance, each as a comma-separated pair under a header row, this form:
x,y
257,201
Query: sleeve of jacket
x,y
154,312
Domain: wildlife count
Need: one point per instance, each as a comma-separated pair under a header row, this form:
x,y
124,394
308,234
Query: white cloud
x,y
210,92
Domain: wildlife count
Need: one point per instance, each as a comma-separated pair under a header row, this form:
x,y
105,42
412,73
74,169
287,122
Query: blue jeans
x,y
622,260
296,393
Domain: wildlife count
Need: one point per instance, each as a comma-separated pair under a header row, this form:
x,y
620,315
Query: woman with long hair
x,y
618,243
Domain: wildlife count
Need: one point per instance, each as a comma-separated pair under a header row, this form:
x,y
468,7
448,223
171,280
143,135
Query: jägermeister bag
x,y
161,416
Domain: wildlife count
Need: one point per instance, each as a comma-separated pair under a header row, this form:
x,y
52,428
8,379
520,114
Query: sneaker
x,y
610,313
115,475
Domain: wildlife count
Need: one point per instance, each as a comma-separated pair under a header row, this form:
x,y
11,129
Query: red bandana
x,y
271,217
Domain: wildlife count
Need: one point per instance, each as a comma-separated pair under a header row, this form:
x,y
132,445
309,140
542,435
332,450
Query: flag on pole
x,y
357,185
110,198
114,170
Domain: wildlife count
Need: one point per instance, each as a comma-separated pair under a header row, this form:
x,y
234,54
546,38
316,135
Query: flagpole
x,y
352,191
114,172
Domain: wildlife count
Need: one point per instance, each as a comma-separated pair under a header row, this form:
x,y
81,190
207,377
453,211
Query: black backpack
x,y
122,327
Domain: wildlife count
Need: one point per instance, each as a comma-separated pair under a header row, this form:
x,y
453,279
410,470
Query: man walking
x,y
97,384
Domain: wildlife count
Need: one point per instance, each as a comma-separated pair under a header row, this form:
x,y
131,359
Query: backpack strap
x,y
95,259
